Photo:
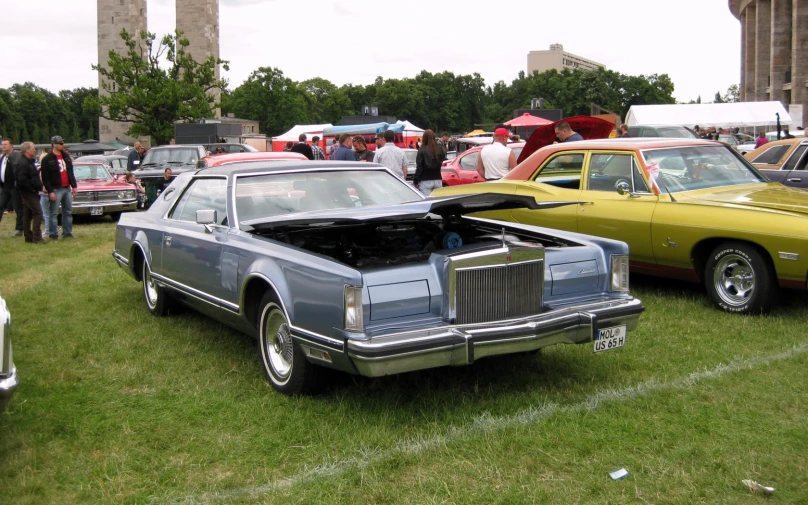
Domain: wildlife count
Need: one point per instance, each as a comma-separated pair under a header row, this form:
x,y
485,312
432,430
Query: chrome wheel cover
x,y
734,280
278,343
149,286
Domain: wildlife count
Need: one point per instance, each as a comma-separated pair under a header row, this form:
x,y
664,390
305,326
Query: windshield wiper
x,y
180,162
147,165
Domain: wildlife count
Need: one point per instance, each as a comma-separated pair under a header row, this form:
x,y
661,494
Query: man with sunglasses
x,y
60,186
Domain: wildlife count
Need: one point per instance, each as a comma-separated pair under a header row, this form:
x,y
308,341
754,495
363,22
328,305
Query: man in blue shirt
x,y
344,152
565,134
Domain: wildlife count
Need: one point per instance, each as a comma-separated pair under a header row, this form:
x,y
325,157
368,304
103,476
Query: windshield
x,y
676,132
188,155
278,194
95,172
688,168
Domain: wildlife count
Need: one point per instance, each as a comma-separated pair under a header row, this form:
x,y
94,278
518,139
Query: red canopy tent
x,y
527,119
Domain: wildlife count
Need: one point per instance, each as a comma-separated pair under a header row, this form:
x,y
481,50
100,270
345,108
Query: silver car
x,y
8,374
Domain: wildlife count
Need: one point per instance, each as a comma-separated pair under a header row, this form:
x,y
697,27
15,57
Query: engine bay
x,y
380,244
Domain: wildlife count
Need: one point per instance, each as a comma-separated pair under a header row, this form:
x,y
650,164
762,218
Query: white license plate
x,y
96,211
607,339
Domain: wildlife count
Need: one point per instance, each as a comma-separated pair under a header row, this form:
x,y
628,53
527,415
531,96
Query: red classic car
x,y
99,193
463,168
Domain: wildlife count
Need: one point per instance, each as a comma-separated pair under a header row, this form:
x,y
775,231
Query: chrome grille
x,y
498,292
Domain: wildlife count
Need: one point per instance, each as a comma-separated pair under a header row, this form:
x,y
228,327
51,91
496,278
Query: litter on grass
x,y
618,474
757,488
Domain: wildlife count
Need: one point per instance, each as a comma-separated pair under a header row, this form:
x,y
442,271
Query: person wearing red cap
x,y
497,159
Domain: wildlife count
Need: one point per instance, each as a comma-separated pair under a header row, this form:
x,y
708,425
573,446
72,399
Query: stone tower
x,y
199,22
114,16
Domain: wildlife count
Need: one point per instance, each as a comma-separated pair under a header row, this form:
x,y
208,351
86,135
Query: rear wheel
x,y
284,363
157,300
740,279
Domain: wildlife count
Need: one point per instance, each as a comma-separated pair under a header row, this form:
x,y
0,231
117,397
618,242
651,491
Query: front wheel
x,y
284,363
157,300
740,279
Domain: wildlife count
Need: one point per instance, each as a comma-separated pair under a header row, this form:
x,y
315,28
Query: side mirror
x,y
206,217
623,188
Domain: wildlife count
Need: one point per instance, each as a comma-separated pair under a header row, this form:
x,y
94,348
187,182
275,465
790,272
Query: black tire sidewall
x,y
763,294
296,381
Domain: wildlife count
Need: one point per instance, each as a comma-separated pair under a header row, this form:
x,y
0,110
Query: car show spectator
x,y
565,134
390,155
302,147
288,147
496,159
787,134
163,183
427,164
344,151
315,148
333,147
140,191
623,132
29,186
761,139
444,141
60,185
8,186
362,151
135,157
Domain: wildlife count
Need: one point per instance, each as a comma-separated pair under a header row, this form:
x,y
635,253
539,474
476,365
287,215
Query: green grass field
x,y
117,406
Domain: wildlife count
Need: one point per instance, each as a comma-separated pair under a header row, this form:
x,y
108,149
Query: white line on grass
x,y
487,423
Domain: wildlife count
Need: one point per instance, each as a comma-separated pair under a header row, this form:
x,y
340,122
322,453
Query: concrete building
x,y
199,22
557,58
774,51
114,16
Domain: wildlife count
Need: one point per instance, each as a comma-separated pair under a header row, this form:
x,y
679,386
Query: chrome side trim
x,y
199,295
124,262
789,256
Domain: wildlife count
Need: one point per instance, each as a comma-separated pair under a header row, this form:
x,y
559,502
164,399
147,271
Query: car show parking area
x,y
118,406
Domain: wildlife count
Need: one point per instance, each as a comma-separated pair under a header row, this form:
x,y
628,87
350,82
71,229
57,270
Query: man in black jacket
x,y
8,188
29,186
60,185
303,148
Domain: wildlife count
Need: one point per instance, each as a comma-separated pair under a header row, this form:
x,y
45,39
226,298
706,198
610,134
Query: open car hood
x,y
447,206
589,127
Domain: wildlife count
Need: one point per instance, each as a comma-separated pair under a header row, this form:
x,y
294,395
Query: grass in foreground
x,y
117,406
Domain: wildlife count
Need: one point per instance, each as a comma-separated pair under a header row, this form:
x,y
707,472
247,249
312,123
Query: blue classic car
x,y
8,374
345,266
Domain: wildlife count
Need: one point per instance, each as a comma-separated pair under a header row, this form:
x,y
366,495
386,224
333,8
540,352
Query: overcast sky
x,y
697,42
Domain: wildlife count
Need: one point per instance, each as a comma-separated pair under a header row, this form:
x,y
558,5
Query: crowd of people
x,y
37,191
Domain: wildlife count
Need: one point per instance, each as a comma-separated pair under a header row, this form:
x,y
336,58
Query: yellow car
x,y
689,209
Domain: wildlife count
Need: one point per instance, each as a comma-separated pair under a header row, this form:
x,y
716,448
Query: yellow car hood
x,y
770,196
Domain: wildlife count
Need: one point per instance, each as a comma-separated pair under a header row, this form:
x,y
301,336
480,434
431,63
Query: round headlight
x,y
121,195
130,194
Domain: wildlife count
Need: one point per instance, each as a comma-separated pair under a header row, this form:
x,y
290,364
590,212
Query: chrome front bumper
x,y
8,384
84,208
463,344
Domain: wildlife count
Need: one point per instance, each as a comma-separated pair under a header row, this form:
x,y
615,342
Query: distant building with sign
x,y
557,58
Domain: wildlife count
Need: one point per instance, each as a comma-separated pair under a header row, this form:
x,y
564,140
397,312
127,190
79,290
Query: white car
x,y
8,374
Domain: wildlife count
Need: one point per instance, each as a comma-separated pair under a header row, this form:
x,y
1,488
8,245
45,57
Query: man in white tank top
x,y
496,160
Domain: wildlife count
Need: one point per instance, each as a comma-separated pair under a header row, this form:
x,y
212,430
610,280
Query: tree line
x,y
28,112
138,89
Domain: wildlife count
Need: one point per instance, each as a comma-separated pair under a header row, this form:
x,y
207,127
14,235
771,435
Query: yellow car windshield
x,y
700,167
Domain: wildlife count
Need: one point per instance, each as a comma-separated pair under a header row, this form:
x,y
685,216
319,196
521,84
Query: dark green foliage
x,y
28,112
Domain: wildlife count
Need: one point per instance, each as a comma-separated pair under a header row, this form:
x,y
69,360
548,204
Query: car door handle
x,y
167,240
794,179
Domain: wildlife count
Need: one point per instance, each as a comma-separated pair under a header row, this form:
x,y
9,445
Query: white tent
x,y
740,114
309,129
410,128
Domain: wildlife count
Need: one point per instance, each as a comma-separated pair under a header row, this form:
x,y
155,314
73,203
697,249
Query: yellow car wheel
x,y
740,279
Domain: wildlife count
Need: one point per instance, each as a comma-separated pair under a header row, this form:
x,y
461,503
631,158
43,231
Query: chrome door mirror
x,y
206,217
623,188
